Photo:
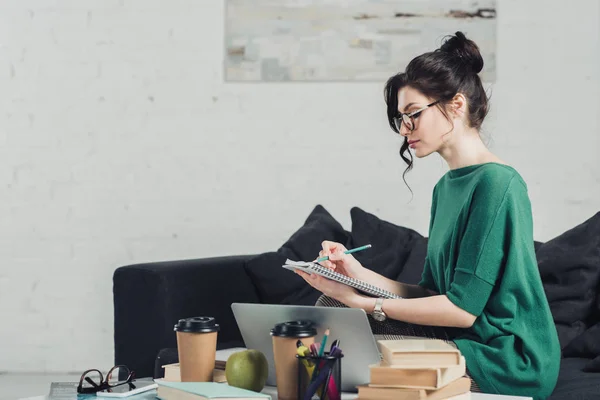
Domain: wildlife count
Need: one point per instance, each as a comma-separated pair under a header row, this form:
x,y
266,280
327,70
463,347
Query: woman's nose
x,y
404,131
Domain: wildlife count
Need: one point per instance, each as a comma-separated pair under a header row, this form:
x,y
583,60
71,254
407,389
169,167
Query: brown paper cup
x,y
286,365
197,352
197,348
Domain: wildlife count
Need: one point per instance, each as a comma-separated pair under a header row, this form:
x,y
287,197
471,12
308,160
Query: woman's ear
x,y
458,105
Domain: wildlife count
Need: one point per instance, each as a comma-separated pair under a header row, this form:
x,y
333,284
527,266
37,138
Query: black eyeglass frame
x,y
408,118
103,384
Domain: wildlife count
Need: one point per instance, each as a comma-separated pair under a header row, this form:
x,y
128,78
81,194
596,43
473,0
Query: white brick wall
x,y
120,143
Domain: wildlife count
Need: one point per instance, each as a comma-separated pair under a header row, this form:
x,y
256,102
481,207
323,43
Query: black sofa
x,y
149,298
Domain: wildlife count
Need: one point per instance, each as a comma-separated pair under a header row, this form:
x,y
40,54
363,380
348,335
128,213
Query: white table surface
x,y
272,391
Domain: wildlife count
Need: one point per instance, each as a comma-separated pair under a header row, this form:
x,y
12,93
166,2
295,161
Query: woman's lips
x,y
412,143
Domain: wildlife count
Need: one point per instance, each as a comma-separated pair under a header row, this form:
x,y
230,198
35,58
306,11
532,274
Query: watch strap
x,y
378,304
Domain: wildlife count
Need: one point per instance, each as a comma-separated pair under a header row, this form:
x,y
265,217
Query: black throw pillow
x,y
277,285
586,345
392,246
570,270
413,268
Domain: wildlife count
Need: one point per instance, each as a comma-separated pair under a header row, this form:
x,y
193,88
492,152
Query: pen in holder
x,y
320,377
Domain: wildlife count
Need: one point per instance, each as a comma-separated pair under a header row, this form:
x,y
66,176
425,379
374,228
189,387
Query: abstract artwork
x,y
347,40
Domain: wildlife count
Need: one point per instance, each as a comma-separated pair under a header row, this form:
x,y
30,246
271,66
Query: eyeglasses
x,y
92,381
409,118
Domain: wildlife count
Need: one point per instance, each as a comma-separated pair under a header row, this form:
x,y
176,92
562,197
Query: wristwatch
x,y
378,314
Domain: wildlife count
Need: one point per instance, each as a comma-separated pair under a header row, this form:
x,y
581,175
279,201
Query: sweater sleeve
x,y
490,229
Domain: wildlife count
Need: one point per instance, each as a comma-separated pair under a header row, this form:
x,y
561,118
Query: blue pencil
x,y
325,336
346,252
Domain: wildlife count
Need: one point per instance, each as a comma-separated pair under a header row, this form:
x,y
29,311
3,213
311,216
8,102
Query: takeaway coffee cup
x,y
285,335
197,348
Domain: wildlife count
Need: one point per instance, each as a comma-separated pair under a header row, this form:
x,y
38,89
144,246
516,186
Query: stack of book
x,y
173,374
417,369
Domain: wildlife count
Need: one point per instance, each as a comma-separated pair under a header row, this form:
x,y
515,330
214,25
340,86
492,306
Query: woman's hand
x,y
342,293
344,264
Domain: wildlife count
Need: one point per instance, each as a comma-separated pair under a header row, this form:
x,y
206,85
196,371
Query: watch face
x,y
378,316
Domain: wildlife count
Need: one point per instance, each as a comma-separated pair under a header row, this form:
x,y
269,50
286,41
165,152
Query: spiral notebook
x,y
314,268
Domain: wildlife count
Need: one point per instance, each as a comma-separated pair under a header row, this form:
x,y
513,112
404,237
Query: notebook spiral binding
x,y
336,276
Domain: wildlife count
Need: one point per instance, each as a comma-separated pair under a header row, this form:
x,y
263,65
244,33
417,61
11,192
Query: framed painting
x,y
347,40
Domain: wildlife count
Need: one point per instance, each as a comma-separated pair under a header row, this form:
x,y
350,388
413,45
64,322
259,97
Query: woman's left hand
x,y
339,291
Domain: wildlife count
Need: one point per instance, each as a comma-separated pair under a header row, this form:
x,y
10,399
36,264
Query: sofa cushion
x,y
570,269
277,285
574,384
393,246
413,267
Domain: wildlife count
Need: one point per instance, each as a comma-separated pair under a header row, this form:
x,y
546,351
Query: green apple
x,y
247,369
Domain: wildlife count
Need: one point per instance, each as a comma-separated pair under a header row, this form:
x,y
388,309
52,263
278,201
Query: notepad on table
x,y
204,390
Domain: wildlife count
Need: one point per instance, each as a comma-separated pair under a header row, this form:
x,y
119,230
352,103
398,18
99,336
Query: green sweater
x,y
481,255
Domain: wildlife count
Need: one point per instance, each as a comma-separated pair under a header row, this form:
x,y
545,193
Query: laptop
x,y
348,325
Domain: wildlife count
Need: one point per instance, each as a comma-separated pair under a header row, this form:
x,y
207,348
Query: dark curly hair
x,y
440,75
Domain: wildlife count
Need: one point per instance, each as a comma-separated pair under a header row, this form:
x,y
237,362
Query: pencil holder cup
x,y
320,377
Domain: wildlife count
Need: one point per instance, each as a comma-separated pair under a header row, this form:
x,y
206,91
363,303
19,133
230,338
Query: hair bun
x,y
466,51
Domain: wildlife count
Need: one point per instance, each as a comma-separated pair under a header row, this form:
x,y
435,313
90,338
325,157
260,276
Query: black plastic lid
x,y
296,329
197,325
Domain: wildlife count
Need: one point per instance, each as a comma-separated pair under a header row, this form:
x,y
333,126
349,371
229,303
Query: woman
x,y
480,288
